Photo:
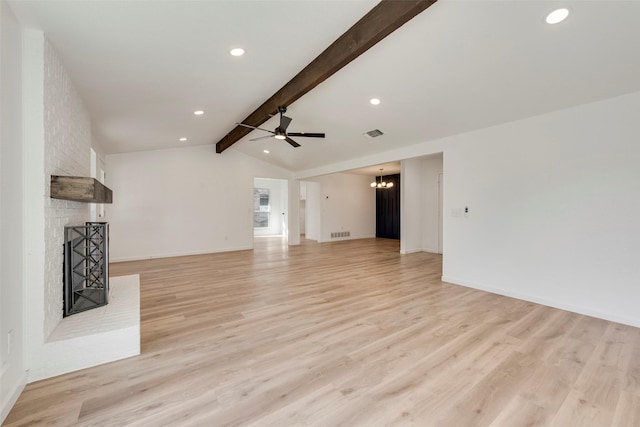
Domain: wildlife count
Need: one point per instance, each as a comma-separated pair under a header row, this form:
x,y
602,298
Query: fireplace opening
x,y
86,267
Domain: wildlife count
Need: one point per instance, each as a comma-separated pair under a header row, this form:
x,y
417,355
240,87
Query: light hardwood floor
x,y
344,334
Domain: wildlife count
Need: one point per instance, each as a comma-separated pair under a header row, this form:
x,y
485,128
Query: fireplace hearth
x,y
86,267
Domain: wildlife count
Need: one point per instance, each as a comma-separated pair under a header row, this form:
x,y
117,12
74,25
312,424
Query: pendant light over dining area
x,y
381,183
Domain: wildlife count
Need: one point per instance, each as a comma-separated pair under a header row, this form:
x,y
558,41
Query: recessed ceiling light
x,y
557,15
238,51
265,151
374,101
198,112
183,139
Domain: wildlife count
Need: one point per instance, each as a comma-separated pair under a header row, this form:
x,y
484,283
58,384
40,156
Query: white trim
x,y
431,251
427,250
12,397
525,297
411,251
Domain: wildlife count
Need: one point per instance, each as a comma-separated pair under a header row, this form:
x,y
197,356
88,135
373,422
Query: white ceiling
x,y
143,67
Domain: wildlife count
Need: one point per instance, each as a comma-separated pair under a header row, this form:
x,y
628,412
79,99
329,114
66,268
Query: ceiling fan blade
x,y
284,122
292,142
262,137
307,134
253,127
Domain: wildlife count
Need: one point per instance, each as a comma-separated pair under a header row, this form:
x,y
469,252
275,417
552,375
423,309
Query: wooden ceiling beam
x,y
386,17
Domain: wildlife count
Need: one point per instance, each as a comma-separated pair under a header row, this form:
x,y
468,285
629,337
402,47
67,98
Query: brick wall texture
x,y
67,140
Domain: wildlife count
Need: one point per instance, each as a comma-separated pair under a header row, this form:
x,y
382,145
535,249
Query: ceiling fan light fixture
x,y
280,133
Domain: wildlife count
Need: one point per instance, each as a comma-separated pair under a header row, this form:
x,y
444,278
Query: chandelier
x,y
381,183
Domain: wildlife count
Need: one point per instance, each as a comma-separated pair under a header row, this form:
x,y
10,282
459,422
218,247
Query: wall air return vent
x,y
339,234
373,133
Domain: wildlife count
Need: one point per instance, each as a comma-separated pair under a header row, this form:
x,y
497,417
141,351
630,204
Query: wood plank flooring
x,y
343,334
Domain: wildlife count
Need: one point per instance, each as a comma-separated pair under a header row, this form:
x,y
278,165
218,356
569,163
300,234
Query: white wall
x,y
284,212
48,132
278,192
182,201
313,207
347,203
34,182
411,215
98,209
12,280
57,140
67,142
303,213
432,169
293,212
420,225
554,203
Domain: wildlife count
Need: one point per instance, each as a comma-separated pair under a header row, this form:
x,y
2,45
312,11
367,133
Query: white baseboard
x,y
427,250
177,254
431,251
411,251
543,301
11,397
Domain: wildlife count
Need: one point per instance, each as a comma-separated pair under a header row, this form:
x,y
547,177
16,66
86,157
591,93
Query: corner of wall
x,y
57,135
67,143
13,213
34,188
11,398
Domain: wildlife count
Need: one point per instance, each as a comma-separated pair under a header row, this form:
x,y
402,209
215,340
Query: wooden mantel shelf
x,y
79,189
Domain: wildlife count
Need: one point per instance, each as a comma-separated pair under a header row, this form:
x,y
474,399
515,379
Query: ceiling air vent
x,y
373,133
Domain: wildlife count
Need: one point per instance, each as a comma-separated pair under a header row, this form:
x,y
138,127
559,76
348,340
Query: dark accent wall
x,y
388,209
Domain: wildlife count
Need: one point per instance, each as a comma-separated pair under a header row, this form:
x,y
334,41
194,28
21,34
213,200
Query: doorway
x,y
270,207
421,205
388,209
303,209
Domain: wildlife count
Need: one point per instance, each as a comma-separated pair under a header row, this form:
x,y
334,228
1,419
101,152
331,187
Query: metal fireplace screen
x,y
86,267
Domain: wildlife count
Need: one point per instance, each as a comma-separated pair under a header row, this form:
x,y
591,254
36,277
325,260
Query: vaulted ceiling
x,y
143,68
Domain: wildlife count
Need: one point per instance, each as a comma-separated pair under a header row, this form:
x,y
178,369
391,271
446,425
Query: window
x,y
261,208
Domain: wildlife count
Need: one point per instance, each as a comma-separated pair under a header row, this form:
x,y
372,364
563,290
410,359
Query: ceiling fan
x,y
281,131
